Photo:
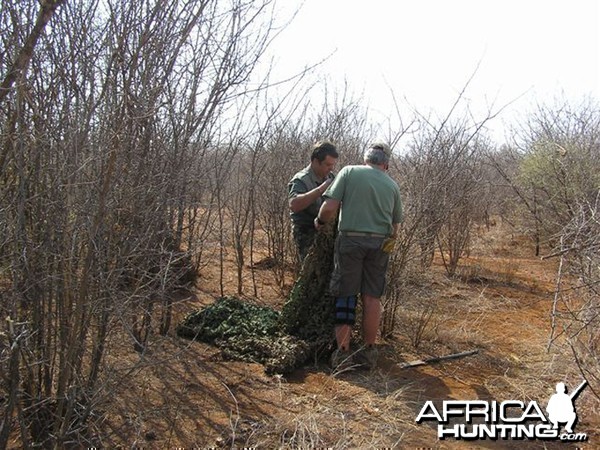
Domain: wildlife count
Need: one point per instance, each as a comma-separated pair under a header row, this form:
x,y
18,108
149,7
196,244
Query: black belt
x,y
359,233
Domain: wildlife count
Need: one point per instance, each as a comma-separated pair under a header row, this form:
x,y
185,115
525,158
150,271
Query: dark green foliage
x,y
284,341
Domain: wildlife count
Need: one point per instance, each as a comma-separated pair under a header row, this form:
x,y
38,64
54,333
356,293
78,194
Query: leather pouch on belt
x,y
388,245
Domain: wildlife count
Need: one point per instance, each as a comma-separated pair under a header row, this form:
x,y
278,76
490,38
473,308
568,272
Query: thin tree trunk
x,y
19,67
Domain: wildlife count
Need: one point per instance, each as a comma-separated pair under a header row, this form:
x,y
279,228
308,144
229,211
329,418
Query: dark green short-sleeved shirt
x,y
304,181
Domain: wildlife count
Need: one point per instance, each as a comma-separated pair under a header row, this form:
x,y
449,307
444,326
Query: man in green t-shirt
x,y
370,214
305,190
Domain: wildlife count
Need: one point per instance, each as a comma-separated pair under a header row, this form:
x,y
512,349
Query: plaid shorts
x,y
359,266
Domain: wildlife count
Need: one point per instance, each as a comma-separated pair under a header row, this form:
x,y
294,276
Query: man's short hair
x,y
378,153
322,150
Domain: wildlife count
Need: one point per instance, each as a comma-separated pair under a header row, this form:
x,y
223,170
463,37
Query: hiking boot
x,y
367,357
341,361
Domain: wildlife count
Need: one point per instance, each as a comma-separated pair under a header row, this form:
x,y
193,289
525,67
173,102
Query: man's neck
x,y
376,166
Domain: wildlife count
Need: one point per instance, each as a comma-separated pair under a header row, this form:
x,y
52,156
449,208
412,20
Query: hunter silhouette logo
x,y
510,419
560,407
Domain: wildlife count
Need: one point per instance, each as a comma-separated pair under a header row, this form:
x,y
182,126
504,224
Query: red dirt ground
x,y
182,394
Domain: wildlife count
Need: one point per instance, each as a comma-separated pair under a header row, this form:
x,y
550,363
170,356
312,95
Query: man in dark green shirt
x,y
305,190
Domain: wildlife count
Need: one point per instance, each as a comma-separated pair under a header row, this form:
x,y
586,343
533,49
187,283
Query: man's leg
x,y
341,359
345,278
372,288
345,310
371,318
304,239
343,334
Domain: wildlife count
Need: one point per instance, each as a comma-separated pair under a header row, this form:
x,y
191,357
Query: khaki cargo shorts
x,y
359,266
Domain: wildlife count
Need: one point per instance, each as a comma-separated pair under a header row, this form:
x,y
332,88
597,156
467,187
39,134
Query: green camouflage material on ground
x,y
246,332
284,341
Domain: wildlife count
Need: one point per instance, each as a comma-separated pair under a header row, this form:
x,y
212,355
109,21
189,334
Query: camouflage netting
x,y
282,341
309,311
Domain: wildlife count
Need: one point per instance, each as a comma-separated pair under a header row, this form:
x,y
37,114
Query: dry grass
x,y
183,394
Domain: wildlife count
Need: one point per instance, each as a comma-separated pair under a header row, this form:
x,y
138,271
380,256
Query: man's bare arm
x,y
303,201
328,210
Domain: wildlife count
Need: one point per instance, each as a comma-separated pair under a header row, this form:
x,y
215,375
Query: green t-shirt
x,y
370,200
